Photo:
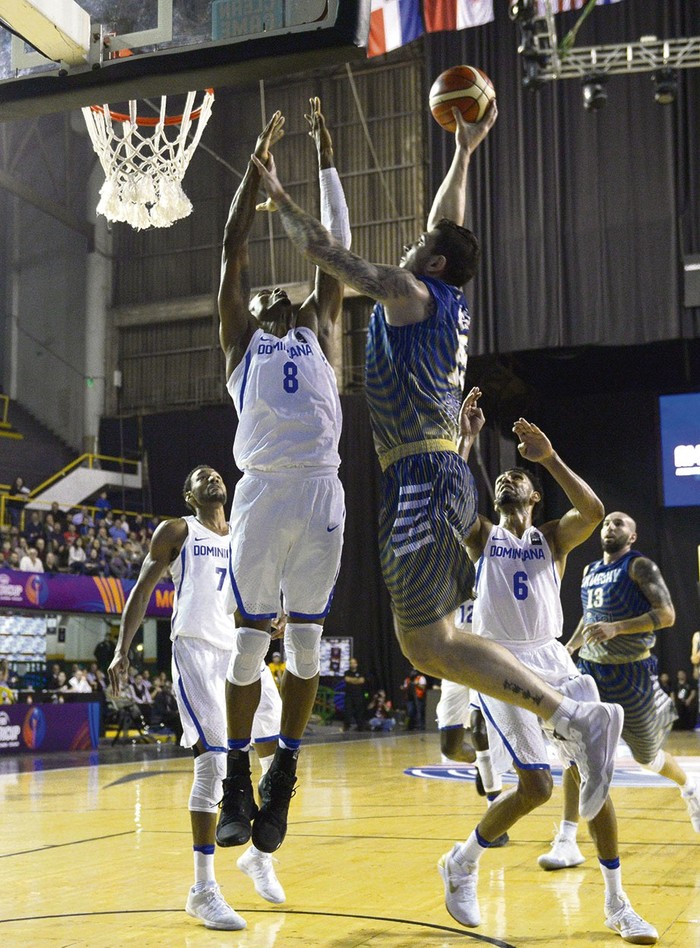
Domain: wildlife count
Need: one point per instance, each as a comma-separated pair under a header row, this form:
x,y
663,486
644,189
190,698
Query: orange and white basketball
x,y
467,88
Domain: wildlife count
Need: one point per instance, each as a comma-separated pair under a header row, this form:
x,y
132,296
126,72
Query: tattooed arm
x,y
647,575
406,299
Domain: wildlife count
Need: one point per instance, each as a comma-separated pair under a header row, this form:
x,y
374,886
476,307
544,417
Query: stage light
x,y
595,94
522,10
665,86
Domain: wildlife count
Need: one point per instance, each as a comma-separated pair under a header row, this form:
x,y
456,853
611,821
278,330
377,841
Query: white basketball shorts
x,y
199,683
520,730
286,537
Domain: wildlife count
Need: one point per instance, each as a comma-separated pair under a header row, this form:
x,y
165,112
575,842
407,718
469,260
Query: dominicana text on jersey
x,y
291,381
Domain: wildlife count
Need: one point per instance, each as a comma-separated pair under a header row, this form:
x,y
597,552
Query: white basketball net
x,y
144,164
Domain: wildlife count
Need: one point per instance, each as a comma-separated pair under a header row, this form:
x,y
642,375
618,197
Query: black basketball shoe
x,y
276,790
238,807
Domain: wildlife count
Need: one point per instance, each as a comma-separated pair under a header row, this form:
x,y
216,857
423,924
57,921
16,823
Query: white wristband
x,y
334,210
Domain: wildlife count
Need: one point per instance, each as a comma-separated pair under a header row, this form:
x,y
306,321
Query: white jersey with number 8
x,y
286,396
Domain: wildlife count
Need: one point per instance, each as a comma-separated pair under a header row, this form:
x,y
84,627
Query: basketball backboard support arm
x,y
323,32
58,29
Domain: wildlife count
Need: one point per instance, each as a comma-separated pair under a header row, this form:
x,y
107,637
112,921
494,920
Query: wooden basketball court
x,y
99,854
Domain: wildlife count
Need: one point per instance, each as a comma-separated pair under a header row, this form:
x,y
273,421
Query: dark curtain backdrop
x,y
582,216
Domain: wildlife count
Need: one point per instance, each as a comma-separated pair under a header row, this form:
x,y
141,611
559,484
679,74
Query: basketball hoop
x,y
143,165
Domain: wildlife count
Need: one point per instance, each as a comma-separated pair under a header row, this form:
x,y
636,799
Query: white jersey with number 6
x,y
199,574
517,590
288,407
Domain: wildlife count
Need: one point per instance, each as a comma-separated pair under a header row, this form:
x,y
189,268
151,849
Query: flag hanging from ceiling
x,y
561,6
393,23
456,14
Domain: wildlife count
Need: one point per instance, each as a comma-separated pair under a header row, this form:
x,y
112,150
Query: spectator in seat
x,y
93,565
164,711
30,563
79,683
76,556
119,530
34,528
685,698
51,563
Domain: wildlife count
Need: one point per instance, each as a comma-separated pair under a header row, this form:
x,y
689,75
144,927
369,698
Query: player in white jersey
x,y
288,510
196,548
458,708
518,574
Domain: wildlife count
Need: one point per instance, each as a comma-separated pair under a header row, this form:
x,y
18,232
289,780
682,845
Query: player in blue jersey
x,y
415,371
625,603
288,510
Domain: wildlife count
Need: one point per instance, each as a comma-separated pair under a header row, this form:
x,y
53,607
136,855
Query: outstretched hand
x,y
317,127
270,135
471,417
534,444
469,135
118,672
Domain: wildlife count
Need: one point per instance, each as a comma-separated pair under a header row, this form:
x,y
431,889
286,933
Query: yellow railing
x,y
4,407
85,460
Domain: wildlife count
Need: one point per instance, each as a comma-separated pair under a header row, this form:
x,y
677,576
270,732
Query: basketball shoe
x,y
259,867
211,907
692,801
276,789
593,733
622,918
237,805
563,854
460,889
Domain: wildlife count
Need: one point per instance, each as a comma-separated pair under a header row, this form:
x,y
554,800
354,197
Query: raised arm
x,y
587,510
165,546
236,325
407,297
451,198
321,309
471,421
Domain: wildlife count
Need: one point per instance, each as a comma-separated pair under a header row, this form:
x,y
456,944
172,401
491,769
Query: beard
x,y
613,544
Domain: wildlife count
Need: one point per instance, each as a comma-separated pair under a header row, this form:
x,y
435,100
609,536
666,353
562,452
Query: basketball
x,y
467,88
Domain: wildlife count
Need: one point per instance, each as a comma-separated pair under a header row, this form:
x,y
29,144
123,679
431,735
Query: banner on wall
x,y
58,592
49,727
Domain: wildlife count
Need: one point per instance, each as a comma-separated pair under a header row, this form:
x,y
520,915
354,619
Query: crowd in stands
x,y
86,541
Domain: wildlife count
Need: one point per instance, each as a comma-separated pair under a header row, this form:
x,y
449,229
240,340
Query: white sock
x,y
266,763
203,869
471,851
613,885
561,718
568,830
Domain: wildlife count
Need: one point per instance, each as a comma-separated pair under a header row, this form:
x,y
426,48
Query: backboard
x,y
102,51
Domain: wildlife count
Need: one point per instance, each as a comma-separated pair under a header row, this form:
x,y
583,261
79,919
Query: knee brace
x,y
657,763
249,650
209,771
302,645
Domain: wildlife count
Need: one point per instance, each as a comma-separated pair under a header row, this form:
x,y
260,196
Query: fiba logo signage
x,y
34,728
686,458
9,732
36,589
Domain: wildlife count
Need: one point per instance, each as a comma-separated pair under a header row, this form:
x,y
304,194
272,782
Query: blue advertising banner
x,y
58,592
